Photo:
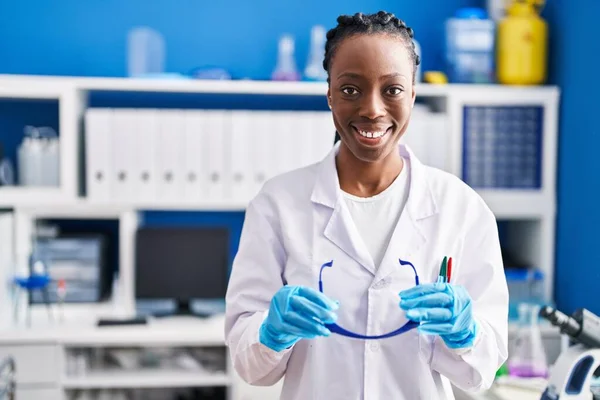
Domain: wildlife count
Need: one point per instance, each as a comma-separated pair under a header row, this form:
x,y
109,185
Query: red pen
x,y
449,269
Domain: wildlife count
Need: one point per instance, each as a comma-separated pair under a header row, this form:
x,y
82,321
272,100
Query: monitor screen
x,y
181,263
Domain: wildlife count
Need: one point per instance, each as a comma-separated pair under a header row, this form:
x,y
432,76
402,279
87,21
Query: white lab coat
x,y
298,221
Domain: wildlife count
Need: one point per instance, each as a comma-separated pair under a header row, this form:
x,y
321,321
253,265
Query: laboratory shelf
x,y
123,379
10,196
504,203
518,204
27,83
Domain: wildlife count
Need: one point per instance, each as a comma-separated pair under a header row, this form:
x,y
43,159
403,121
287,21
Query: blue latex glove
x,y
442,309
296,312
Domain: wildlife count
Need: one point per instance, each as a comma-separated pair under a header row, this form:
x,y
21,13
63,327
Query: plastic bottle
x,y
314,70
522,45
418,73
528,358
145,52
286,69
470,47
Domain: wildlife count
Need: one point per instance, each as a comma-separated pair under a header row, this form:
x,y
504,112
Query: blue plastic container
x,y
524,286
470,38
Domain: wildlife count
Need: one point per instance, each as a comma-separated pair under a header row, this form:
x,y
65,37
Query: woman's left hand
x,y
442,309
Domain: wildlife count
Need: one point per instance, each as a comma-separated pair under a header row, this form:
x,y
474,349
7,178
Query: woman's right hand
x,y
296,312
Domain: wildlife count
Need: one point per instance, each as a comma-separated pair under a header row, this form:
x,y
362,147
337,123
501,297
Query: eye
x,y
350,91
395,91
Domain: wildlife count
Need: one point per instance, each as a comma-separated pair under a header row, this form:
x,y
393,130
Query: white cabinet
x,y
39,394
35,364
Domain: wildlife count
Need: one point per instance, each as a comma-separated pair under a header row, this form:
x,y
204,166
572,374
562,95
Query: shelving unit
x,y
145,380
530,211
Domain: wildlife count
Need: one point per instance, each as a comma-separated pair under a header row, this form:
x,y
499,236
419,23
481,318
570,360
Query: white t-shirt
x,y
376,217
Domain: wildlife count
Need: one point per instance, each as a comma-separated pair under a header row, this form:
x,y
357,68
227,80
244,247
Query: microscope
x,y
570,377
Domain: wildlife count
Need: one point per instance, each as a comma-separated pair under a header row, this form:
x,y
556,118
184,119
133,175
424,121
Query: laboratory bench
x,y
58,362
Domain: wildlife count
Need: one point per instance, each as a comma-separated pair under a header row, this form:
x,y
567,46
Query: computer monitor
x,y
181,264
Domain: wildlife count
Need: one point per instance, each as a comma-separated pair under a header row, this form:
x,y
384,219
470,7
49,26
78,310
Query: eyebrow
x,y
358,76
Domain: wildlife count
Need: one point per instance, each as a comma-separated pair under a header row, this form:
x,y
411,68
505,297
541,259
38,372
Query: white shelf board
x,y
27,83
123,379
30,91
518,204
505,203
168,331
11,196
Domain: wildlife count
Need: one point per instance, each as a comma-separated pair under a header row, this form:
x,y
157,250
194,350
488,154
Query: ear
x,y
414,95
329,98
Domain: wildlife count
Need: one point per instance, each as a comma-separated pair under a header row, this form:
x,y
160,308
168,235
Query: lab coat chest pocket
x,y
299,270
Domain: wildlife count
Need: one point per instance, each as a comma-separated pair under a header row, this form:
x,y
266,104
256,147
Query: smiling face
x,y
371,94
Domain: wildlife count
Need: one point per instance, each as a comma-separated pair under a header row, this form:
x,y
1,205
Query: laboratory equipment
x,y
522,44
502,146
7,173
80,260
470,47
285,69
496,9
528,357
418,72
335,328
38,157
7,378
524,286
145,52
314,70
181,264
571,375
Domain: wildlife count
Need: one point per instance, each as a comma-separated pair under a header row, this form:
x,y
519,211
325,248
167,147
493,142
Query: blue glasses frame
x,y
335,328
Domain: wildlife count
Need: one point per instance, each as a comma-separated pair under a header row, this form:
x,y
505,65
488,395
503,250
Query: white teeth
x,y
371,134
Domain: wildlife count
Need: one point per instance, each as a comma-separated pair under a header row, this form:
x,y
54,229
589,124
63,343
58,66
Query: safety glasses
x,y
335,328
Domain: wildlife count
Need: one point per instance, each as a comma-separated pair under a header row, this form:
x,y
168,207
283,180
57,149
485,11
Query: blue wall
x,y
88,38
573,58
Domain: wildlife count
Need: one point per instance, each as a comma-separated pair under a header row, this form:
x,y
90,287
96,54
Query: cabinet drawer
x,y
39,394
34,364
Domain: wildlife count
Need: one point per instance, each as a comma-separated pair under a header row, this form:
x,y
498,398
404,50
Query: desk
x,y
42,355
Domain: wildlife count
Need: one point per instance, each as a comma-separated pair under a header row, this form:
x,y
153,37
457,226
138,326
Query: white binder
x,y
323,134
303,137
98,164
261,151
124,155
439,141
169,153
240,139
416,135
144,171
195,157
217,124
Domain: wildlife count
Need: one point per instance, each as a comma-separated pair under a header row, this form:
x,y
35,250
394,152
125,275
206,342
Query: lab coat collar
x,y
421,202
407,238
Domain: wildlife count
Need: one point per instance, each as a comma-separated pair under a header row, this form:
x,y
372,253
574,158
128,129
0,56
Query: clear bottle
x,y
528,357
418,72
146,52
314,70
286,69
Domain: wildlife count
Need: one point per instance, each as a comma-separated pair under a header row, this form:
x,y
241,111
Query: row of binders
x,y
171,156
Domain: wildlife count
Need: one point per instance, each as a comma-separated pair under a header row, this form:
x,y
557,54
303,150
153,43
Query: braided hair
x,y
365,24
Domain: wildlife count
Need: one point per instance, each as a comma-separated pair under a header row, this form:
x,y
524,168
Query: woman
x,y
323,289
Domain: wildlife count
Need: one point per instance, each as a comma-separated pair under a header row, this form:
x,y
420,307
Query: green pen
x,y
443,269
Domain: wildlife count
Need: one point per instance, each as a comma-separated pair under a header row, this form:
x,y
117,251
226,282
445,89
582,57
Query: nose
x,y
372,106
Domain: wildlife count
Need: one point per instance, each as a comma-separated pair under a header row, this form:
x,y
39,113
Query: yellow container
x,y
521,57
